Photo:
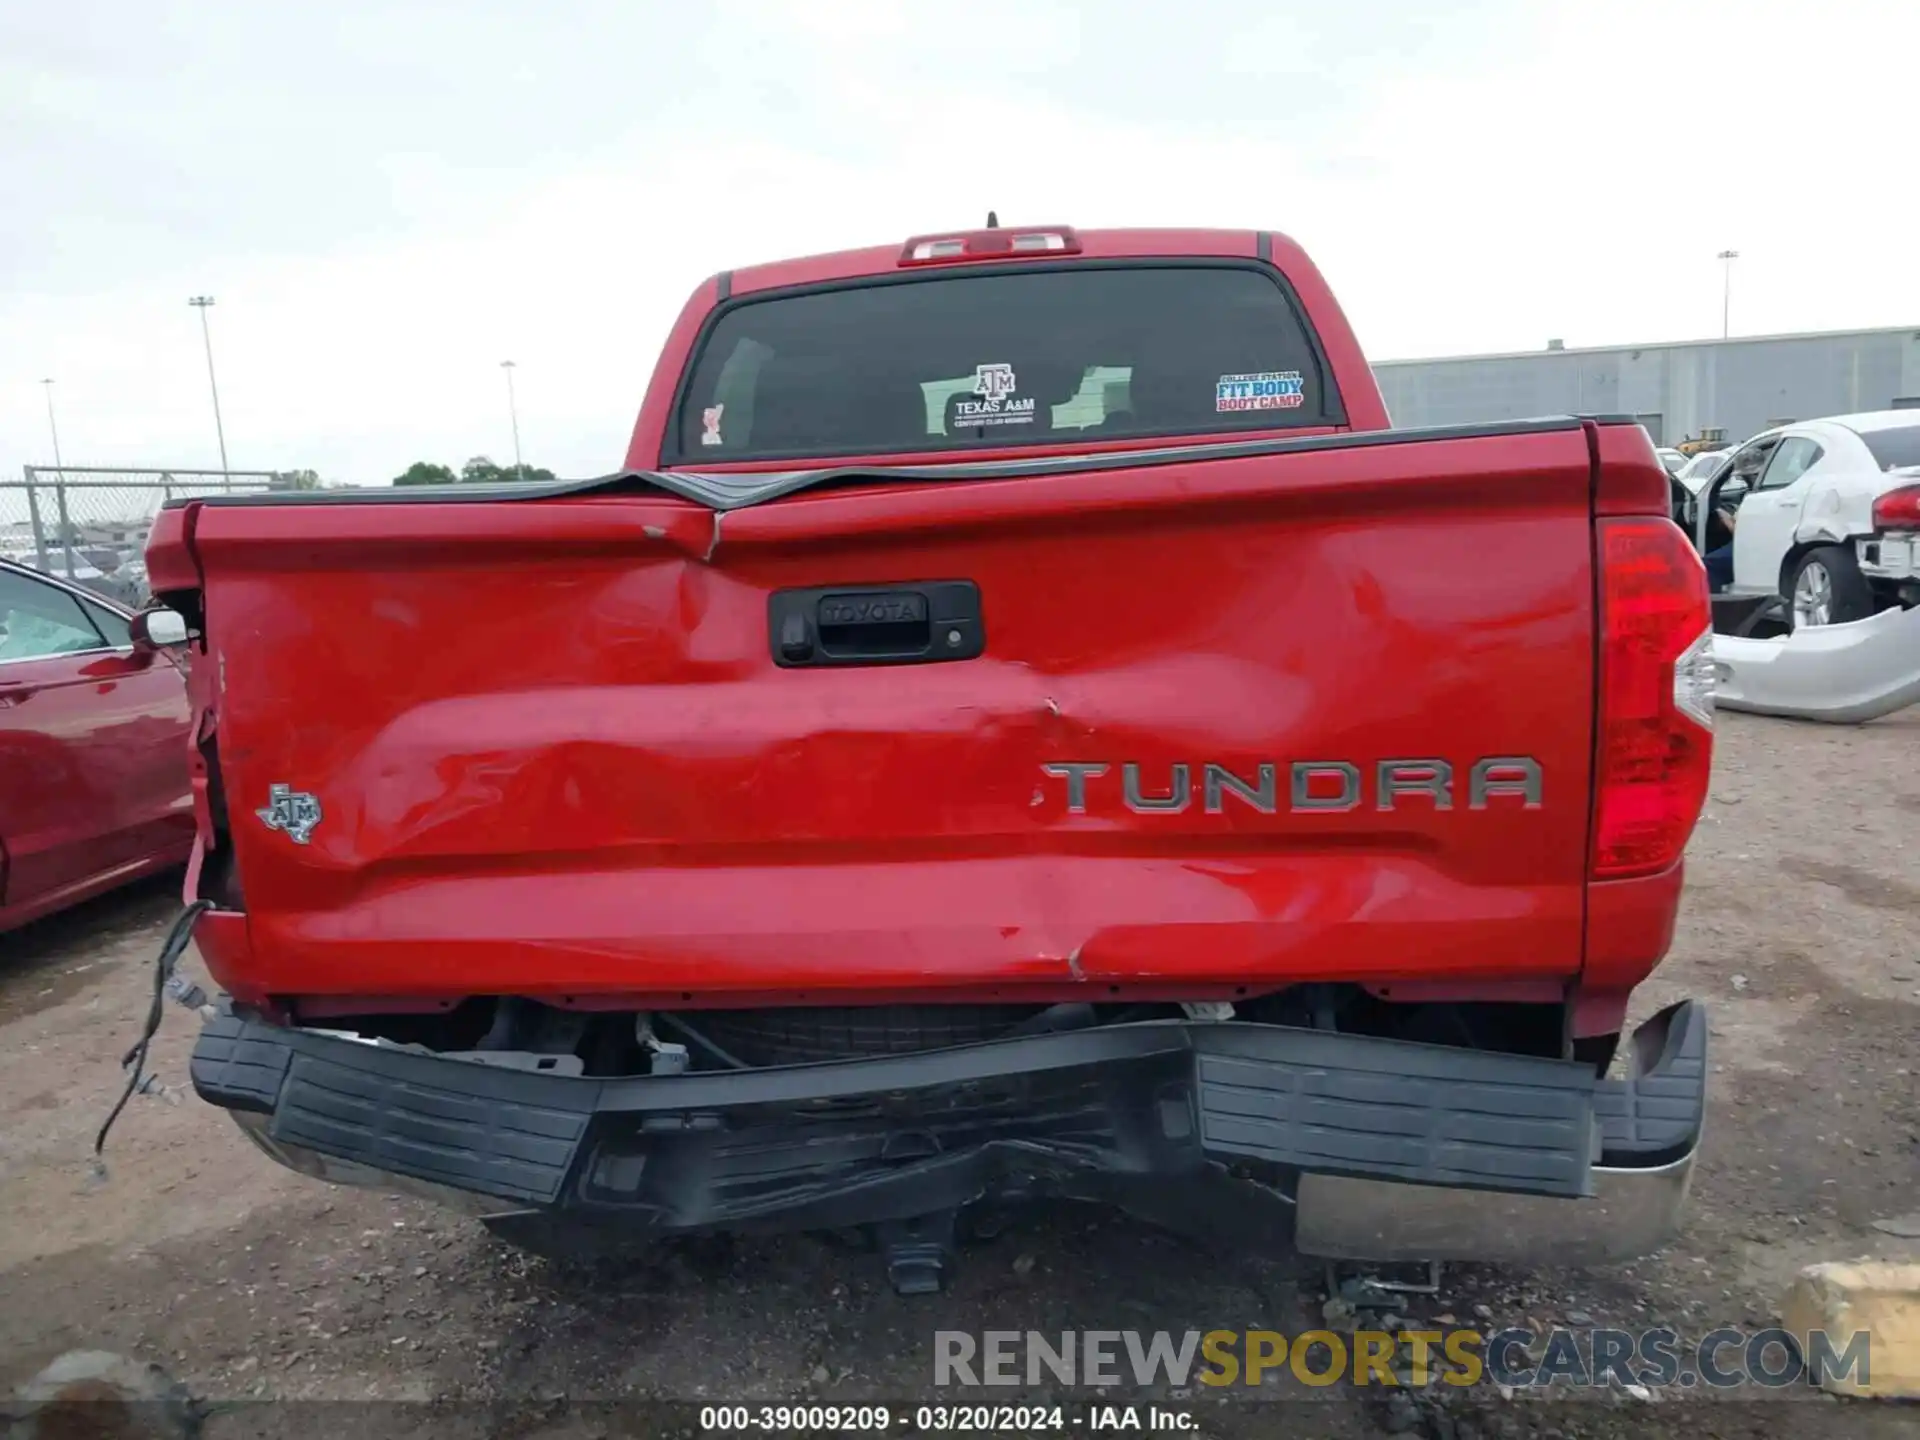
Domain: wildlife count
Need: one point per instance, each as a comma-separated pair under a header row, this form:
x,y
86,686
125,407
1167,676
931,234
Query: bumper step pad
x,y
1128,1114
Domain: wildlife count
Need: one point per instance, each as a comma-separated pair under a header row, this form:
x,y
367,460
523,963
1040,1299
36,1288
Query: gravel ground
x,y
1801,928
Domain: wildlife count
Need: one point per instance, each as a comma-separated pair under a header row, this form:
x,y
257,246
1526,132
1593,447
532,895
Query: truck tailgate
x,y
553,754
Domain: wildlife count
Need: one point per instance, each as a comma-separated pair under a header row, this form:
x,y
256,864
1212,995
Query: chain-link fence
x,y
90,525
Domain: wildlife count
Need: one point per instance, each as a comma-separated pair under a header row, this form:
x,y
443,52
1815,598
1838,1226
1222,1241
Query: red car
x,y
94,789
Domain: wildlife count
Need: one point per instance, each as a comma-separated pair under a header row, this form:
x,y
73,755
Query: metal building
x,y
1741,386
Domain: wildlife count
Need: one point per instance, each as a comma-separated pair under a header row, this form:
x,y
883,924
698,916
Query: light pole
x,y
1726,259
54,429
200,303
513,414
59,494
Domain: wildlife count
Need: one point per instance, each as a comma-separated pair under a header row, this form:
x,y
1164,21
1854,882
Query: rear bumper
x,y
1842,673
1894,556
1347,1146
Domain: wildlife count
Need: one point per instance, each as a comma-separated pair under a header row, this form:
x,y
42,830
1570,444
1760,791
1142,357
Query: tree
x,y
482,471
295,480
422,472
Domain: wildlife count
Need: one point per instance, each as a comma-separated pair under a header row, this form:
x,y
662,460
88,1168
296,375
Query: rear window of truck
x,y
1037,356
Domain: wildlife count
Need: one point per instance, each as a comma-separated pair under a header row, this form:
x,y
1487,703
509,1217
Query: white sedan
x,y
1825,513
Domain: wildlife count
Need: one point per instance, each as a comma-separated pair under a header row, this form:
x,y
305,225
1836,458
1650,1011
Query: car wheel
x,y
1827,588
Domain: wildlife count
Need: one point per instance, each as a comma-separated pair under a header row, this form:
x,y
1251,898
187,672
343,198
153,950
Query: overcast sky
x,y
388,197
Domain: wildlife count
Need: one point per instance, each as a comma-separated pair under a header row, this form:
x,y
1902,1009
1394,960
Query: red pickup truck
x,y
1020,725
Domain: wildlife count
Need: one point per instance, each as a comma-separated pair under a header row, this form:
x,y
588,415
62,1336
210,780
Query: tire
x,y
801,1034
1827,588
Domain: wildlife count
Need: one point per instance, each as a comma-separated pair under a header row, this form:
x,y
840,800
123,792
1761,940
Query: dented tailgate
x,y
1312,709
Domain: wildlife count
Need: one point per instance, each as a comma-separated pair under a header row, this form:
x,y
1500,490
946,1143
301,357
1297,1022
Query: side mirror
x,y
154,629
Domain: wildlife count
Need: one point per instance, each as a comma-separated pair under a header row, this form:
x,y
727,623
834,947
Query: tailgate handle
x,y
911,624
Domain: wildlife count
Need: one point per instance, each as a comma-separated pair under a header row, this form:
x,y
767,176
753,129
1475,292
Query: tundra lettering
x,y
1496,776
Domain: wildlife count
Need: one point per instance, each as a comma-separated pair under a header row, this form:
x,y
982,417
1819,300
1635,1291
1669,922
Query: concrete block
x,y
1878,1297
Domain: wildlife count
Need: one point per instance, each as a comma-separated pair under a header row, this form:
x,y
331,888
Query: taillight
x,y
1655,742
1898,509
